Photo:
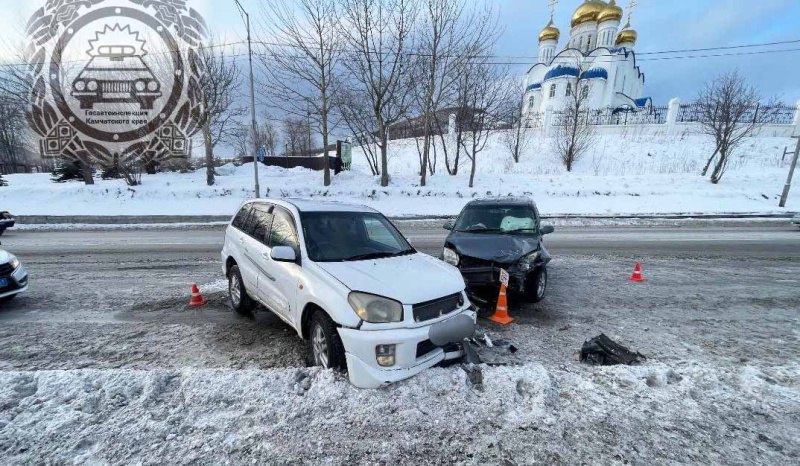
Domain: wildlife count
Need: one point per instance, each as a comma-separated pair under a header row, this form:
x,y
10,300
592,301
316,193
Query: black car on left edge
x,y
494,234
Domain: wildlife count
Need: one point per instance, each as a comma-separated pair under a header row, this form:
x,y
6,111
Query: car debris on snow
x,y
604,351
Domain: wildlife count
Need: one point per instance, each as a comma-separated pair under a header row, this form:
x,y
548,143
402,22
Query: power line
x,y
501,58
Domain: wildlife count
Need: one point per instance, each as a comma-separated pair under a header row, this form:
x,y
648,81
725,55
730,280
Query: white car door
x,y
279,280
238,236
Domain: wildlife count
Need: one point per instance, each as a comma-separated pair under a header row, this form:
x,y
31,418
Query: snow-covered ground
x,y
654,414
627,174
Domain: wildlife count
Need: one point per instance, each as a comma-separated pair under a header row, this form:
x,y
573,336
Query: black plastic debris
x,y
604,351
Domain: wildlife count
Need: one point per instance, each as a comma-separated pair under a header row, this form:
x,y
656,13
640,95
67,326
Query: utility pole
x,y
254,129
788,184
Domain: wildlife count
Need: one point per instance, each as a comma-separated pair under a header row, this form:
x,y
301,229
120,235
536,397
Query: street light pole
x,y
254,128
788,184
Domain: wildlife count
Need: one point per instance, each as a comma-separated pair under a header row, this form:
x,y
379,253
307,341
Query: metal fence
x,y
615,117
780,114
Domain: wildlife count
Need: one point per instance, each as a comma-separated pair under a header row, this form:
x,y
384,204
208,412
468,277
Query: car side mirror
x,y
448,226
283,254
547,229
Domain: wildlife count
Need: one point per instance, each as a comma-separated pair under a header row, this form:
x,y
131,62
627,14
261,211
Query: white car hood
x,y
411,279
5,257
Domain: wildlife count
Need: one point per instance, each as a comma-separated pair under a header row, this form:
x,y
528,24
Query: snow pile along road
x,y
649,414
622,174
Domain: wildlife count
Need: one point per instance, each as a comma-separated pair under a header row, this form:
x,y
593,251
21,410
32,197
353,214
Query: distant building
x,y
599,51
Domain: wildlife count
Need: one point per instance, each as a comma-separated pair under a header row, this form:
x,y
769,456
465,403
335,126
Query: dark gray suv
x,y
494,234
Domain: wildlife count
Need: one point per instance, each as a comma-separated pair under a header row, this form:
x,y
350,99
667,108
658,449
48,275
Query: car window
x,y
376,231
240,220
262,218
347,236
497,218
283,232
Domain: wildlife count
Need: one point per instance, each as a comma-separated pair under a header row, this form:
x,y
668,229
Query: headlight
x,y
14,262
375,309
140,86
450,256
152,86
526,263
80,85
92,85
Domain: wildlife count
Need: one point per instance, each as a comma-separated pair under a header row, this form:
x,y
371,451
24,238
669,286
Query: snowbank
x,y
521,415
628,174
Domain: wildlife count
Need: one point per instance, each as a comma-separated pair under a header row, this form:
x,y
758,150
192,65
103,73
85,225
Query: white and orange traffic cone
x,y
501,310
197,299
637,274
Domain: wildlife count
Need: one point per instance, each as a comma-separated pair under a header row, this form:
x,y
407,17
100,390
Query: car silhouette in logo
x,y
116,75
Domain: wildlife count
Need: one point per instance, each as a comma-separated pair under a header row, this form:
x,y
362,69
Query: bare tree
x,y
267,136
484,94
574,136
219,87
296,136
729,112
301,72
518,138
379,34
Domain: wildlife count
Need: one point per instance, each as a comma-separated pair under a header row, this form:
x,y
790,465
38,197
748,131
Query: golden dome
x,y
550,32
626,35
588,12
610,13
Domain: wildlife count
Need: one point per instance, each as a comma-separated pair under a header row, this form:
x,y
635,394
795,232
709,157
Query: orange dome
x,y
550,32
610,13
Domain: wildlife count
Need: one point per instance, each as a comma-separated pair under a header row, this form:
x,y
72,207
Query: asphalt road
x,y
724,297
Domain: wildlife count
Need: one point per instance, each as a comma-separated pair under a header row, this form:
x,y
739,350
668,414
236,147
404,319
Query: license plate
x,y
3,282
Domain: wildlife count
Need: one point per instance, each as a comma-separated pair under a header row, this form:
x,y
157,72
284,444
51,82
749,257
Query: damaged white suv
x,y
350,284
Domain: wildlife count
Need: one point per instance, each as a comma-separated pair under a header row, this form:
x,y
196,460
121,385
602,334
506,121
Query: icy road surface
x,y
101,362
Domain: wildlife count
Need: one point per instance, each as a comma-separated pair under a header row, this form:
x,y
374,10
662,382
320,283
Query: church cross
x,y
631,6
552,8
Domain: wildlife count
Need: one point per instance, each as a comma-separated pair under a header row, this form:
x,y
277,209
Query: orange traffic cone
x,y
197,299
637,274
501,310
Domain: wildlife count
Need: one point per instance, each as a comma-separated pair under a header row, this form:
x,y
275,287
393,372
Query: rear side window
x,y
283,231
262,223
241,218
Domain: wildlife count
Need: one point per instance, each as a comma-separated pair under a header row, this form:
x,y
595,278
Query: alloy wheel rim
x,y
235,290
320,347
541,284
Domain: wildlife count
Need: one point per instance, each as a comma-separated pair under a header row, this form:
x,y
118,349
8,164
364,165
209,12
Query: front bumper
x,y
413,354
18,282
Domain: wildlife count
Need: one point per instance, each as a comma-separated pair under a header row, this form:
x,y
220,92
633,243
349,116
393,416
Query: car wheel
x,y
240,301
7,298
325,347
537,285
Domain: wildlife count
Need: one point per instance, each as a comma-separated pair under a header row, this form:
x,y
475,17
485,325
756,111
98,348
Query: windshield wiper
x,y
378,255
521,229
479,230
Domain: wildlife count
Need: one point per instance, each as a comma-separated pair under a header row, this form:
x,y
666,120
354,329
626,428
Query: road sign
x,y
504,277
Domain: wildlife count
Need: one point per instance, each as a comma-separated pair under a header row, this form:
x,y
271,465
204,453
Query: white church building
x,y
599,51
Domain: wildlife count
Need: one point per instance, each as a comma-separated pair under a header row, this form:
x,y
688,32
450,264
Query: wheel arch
x,y
229,263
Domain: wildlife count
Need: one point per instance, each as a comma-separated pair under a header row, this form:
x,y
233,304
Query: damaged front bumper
x,y
414,350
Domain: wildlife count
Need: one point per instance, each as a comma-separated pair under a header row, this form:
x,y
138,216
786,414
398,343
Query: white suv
x,y
350,284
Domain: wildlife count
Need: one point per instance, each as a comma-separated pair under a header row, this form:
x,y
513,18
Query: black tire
x,y
7,299
332,344
244,304
532,290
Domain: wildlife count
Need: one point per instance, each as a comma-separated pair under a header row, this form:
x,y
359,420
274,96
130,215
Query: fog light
x,y
384,355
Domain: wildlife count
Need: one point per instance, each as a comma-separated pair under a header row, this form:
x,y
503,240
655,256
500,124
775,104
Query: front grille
x,y
424,347
116,86
5,269
471,262
436,308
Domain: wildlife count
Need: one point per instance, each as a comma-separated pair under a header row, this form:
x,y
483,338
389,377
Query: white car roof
x,y
308,205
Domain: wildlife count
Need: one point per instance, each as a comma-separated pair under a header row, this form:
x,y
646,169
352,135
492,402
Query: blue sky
x,y
662,25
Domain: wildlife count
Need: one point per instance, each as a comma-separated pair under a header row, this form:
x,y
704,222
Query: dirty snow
x,y
624,174
658,413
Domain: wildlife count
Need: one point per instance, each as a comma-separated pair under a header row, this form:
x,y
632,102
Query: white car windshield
x,y
351,236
